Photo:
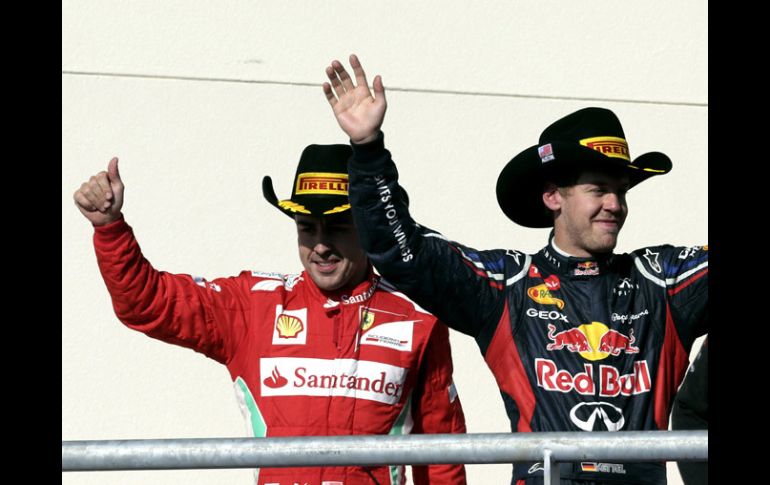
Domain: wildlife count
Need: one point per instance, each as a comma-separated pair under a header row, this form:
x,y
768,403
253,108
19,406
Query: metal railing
x,y
550,448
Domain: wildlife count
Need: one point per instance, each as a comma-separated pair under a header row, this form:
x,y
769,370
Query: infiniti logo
x,y
585,414
624,287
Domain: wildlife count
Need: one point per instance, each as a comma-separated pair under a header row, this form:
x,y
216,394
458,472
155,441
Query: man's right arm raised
x,y
461,286
208,316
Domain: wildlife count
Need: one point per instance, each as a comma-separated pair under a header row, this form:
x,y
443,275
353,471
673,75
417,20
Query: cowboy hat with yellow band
x,y
320,184
588,138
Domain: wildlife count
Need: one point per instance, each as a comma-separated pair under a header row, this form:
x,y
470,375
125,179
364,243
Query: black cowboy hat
x,y
589,138
320,184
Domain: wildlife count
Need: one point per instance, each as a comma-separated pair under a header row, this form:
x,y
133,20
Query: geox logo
x,y
610,146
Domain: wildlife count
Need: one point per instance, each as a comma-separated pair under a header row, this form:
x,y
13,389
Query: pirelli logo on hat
x,y
314,183
610,146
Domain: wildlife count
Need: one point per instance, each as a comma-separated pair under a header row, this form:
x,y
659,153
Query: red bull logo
x,y
594,341
614,343
572,338
611,382
586,268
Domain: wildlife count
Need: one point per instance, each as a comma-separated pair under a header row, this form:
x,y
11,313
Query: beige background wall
x,y
201,99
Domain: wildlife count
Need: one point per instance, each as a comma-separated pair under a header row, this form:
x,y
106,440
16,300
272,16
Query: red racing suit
x,y
303,362
575,344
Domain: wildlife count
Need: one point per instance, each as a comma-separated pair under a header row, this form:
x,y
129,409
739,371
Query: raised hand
x,y
358,113
101,197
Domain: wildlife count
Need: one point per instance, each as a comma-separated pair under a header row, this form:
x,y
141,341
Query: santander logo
x,y
350,378
275,380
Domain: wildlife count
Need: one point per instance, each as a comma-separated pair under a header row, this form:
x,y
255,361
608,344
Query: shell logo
x,y
288,326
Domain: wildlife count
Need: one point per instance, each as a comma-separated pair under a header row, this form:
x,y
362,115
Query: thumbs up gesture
x,y
100,198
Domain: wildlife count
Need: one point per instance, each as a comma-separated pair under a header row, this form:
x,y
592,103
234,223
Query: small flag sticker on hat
x,y
546,153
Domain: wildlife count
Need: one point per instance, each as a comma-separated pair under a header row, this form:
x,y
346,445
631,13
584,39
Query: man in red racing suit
x,y
335,350
577,337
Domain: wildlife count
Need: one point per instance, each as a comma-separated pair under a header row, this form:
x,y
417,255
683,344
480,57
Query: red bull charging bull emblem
x,y
586,268
593,341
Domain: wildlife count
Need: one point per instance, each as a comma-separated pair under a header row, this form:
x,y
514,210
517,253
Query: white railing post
x,y
551,469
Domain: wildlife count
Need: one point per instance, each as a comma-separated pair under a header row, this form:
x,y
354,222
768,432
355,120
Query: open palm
x,y
358,113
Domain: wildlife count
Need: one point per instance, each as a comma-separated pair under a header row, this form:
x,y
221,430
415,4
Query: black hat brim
x,y
315,205
520,184
269,193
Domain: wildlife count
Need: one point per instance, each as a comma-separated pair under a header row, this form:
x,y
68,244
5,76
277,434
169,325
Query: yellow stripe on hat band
x,y
324,183
340,208
611,146
293,206
646,169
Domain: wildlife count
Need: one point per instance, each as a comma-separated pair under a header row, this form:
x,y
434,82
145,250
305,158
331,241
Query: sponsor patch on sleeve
x,y
393,335
452,392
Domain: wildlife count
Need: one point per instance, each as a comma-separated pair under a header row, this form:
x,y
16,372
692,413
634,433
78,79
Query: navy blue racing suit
x,y
575,344
691,410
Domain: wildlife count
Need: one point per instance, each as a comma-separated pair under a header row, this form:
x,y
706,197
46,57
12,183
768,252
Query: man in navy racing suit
x,y
691,411
577,337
